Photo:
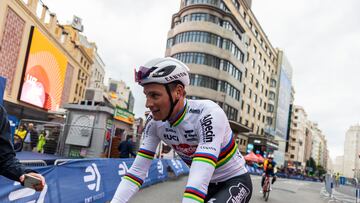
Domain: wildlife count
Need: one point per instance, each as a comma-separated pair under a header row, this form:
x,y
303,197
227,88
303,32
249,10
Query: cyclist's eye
x,y
153,95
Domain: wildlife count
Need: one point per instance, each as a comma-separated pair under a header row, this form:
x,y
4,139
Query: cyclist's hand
x,y
39,187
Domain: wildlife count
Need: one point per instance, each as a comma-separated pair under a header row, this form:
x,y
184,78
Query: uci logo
x,y
171,137
94,177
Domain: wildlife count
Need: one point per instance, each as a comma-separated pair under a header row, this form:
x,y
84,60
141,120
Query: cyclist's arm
x,y
133,179
211,131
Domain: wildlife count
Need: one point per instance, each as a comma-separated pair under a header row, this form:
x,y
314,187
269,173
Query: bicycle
x,y
18,143
266,188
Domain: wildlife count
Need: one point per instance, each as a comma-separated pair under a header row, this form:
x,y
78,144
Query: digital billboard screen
x,y
44,73
284,101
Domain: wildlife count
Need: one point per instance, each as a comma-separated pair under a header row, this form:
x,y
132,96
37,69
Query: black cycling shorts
x,y
235,190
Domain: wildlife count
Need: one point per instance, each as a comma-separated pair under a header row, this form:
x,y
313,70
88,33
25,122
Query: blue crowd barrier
x,y
85,180
178,166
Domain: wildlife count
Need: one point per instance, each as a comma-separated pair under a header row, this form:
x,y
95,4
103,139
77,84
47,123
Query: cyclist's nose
x,y
149,103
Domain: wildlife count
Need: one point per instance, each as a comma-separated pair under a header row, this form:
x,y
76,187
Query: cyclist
x,y
198,130
269,170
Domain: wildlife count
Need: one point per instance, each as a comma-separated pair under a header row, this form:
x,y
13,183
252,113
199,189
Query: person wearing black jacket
x,y
125,148
10,167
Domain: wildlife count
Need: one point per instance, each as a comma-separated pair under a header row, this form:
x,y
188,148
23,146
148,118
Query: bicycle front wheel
x,y
266,195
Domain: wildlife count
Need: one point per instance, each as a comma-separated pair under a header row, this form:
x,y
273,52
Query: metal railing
x,y
33,163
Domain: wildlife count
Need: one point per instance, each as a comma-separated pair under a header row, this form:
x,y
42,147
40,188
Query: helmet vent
x,y
164,71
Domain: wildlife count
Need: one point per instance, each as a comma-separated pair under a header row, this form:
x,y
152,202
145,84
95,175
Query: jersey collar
x,y
179,116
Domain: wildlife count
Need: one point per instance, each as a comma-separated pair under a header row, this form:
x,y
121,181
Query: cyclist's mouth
x,y
154,112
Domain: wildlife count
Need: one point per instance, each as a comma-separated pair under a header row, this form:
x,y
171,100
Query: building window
x,y
272,83
253,63
256,33
230,112
76,88
212,61
271,108
209,38
217,85
271,95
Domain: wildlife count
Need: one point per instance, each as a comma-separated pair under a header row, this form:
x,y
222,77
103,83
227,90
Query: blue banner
x,y
87,180
177,166
2,89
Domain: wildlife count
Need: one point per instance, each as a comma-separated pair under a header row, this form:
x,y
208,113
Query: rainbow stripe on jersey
x,y
194,194
146,153
134,179
227,152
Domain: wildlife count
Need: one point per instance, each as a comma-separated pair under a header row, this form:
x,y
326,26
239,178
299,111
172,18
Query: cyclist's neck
x,y
178,109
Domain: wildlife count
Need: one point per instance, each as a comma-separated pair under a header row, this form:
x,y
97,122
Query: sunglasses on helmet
x,y
143,73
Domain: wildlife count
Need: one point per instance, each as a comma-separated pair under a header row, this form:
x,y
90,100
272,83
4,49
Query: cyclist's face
x,y
157,100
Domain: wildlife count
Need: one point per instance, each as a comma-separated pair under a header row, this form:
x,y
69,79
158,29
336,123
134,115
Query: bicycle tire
x,y
263,188
268,191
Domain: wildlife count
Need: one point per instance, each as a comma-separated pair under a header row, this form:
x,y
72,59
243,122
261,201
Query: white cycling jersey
x,y
202,137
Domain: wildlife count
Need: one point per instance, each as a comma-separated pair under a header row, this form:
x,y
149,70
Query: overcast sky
x,y
321,39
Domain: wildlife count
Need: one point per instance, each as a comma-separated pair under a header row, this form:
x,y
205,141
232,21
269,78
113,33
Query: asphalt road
x,y
284,191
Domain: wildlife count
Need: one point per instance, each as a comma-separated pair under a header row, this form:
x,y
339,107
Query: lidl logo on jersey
x,y
207,128
93,179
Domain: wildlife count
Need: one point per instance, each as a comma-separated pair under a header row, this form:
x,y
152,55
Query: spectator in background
x,y
10,167
21,131
41,142
31,135
125,148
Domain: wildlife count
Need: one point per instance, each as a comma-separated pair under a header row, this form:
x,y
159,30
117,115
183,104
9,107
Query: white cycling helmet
x,y
163,71
270,156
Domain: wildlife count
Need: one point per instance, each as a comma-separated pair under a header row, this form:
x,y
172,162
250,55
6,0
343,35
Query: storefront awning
x,y
238,127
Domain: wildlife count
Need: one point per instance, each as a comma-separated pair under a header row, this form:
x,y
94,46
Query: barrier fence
x,y
85,180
